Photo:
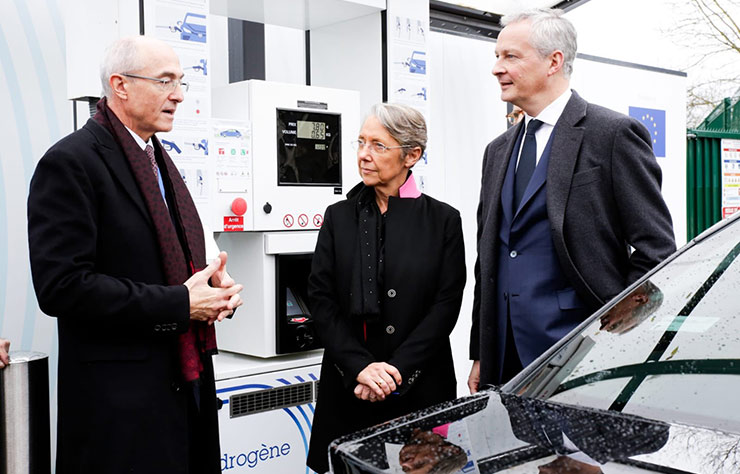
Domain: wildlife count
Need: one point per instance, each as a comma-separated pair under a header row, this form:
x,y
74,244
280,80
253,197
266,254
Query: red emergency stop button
x,y
239,206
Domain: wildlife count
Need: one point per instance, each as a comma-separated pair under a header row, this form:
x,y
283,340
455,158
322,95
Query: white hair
x,y
550,31
404,123
121,56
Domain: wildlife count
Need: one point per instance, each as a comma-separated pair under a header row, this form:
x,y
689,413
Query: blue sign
x,y
654,121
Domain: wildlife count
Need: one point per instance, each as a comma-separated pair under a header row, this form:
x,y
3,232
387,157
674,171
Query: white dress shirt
x,y
549,117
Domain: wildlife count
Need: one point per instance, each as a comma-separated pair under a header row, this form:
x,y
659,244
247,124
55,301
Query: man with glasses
x,y
118,257
570,211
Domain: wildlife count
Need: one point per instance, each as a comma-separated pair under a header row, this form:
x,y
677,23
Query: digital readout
x,y
311,130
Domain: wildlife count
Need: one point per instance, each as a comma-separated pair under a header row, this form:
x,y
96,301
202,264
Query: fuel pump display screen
x,y
309,148
312,130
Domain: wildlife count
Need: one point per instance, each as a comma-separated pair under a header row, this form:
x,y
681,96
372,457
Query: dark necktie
x,y
527,162
149,150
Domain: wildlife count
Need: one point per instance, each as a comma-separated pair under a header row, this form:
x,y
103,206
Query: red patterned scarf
x,y
179,259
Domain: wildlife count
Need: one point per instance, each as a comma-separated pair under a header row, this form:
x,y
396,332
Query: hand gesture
x,y
221,278
213,304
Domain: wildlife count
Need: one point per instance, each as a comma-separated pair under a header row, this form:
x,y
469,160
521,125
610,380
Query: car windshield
x,y
669,349
647,384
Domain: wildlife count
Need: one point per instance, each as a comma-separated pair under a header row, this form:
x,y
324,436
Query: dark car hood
x,y
500,431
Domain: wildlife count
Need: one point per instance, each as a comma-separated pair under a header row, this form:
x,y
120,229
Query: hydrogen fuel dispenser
x,y
269,204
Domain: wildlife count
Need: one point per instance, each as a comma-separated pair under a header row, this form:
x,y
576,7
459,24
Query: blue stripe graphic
x,y
3,245
305,417
24,144
50,113
313,377
47,97
299,378
303,434
56,17
239,387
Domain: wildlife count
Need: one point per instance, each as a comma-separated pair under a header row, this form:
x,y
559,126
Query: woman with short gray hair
x,y
386,286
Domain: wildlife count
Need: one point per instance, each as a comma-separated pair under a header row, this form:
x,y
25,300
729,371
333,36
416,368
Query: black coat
x,y
96,267
421,295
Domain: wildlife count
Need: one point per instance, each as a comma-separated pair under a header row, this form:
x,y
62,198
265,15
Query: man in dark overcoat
x,y
118,257
570,210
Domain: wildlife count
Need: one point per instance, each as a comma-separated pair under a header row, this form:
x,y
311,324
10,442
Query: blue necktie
x,y
527,162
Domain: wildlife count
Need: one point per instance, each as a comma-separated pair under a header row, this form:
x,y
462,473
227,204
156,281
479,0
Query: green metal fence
x,y
704,178
726,116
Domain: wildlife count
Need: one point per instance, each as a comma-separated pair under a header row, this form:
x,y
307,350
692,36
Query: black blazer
x,y
603,196
421,294
96,267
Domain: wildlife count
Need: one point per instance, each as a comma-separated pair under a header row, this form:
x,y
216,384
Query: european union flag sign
x,y
654,121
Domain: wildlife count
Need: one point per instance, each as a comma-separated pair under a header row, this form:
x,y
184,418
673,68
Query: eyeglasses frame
x,y
371,146
163,82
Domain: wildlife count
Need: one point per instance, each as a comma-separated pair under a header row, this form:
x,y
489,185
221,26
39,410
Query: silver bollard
x,y
25,443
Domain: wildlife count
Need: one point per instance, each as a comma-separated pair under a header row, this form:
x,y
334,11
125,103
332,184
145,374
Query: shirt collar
x,y
139,141
409,189
551,114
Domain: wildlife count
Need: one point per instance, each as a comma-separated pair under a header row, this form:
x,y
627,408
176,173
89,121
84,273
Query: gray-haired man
x,y
118,257
561,204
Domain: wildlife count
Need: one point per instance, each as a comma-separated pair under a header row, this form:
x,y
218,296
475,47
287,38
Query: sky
x,y
653,32
646,32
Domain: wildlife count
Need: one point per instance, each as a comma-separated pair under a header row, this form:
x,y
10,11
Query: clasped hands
x,y
217,300
377,381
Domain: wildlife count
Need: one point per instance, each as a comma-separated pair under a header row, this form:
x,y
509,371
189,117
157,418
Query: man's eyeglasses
x,y
167,85
375,147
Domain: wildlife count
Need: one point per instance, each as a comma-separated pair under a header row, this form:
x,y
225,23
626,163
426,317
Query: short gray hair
x,y
550,32
405,124
121,56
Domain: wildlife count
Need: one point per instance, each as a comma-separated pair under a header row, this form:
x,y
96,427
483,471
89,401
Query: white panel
x,y
409,63
218,43
464,118
269,442
290,242
503,6
285,54
300,14
252,329
618,88
228,365
348,55
83,55
290,207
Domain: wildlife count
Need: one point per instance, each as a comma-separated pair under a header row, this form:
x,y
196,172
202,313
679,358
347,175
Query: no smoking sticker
x,y
288,220
318,220
303,220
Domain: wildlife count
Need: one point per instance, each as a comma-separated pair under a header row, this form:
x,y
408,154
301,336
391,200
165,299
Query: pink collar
x,y
409,189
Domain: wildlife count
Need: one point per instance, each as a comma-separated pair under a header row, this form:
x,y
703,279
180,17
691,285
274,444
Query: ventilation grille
x,y
271,399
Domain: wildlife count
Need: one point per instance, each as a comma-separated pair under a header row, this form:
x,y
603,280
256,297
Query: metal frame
x,y
463,21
